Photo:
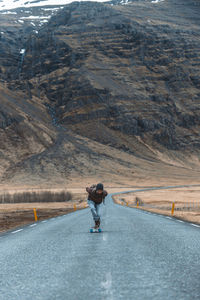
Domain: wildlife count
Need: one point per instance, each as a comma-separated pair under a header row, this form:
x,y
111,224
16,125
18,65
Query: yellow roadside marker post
x,y
74,206
137,203
173,207
35,214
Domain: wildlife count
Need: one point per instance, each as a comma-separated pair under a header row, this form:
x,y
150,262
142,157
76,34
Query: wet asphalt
x,y
137,256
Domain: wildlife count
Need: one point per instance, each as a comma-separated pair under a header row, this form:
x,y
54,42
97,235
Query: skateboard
x,y
92,230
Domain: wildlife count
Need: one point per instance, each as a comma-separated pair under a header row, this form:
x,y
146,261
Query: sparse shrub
x,y
30,197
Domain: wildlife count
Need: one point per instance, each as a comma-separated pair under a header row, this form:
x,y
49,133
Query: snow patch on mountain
x,y
9,13
12,4
35,17
124,2
22,51
157,1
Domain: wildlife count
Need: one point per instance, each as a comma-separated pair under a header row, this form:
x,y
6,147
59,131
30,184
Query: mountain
x,y
114,89
13,4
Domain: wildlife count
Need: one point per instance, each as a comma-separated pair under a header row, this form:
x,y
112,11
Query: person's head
x,y
99,188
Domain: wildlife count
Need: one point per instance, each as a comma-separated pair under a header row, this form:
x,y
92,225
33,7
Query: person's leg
x,y
92,206
98,218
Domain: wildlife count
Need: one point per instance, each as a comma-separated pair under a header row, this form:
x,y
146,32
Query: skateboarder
x,y
96,195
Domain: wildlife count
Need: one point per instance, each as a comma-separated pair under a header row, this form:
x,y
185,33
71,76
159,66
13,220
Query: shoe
x,y
97,224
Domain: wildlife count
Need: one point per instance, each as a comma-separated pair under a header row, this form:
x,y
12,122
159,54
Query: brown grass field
x,y
13,215
187,202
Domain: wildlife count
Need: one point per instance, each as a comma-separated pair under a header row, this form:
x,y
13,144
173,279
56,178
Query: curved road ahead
x,y
137,256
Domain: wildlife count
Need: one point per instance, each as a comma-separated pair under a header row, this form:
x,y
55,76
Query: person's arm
x,y
105,193
88,189
91,189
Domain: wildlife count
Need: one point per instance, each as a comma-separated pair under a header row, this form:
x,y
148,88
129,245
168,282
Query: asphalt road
x,y
137,256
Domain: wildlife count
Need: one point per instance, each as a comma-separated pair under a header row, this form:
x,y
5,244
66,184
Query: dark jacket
x,y
97,198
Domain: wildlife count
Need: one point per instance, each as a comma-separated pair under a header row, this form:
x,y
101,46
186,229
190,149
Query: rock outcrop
x,y
124,67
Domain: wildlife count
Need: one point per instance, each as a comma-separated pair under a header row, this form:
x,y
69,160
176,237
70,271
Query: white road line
x,y
180,221
169,218
44,221
17,231
104,237
32,225
107,285
195,225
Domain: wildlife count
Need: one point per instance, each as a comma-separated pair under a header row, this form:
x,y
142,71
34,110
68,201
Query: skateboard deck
x,y
92,230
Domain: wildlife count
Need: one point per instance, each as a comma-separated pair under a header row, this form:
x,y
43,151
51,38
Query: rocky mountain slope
x,y
110,86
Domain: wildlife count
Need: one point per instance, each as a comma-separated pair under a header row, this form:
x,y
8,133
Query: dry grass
x,y
13,215
187,202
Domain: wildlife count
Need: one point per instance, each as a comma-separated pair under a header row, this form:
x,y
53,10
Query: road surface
x,y
138,255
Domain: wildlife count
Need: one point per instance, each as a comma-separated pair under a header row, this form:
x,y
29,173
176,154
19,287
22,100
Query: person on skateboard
x,y
96,195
